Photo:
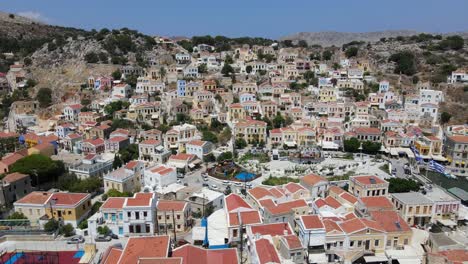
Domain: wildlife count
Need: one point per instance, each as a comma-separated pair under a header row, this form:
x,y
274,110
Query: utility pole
x,y
174,225
157,222
165,222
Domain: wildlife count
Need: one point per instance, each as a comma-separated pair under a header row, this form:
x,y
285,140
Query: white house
x,y
121,90
430,96
71,112
199,148
458,76
384,86
159,176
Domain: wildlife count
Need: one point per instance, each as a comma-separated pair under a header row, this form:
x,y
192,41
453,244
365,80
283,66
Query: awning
x,y
447,222
394,151
375,258
290,143
438,158
154,116
329,145
191,165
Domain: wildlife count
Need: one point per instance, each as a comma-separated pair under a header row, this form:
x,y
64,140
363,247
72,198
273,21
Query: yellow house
x,y
252,131
364,186
236,112
71,208
327,94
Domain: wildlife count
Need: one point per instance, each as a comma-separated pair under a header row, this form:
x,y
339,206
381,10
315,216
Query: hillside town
x,y
258,152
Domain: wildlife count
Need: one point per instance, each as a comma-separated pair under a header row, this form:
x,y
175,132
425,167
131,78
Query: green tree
x,y
117,163
302,43
351,52
228,60
91,57
240,143
351,145
248,69
225,156
326,55
17,216
202,68
44,97
41,168
227,70
400,185
209,136
103,230
51,225
67,230
278,121
117,74
129,153
445,117
116,193
370,147
405,62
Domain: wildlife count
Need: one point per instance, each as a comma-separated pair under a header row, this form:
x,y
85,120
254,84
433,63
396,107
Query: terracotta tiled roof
x,y
349,197
331,226
368,130
234,201
275,229
390,221
144,247
293,187
35,198
332,202
292,242
286,207
114,203
248,218
335,189
113,256
151,142
459,139
312,222
313,179
368,180
378,202
266,251
13,177
182,156
69,199
11,159
139,199
195,255
166,205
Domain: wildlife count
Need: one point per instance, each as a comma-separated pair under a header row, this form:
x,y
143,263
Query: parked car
x,y
225,182
76,240
179,181
102,238
114,236
214,186
205,185
205,179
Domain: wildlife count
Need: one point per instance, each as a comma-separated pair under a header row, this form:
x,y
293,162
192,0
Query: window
x,y
234,232
405,241
376,242
178,217
69,212
129,214
145,213
351,244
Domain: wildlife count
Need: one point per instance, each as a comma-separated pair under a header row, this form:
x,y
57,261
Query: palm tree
x,y
162,72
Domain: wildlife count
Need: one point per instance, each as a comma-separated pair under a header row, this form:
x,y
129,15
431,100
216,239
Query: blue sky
x,y
271,19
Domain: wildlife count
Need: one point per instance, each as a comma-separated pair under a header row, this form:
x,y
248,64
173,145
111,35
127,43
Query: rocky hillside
x,y
330,38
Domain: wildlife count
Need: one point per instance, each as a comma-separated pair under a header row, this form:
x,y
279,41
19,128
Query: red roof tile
x,y
275,229
312,221
390,221
266,252
69,199
16,176
114,203
368,180
377,202
195,255
313,179
293,242
166,205
144,247
248,218
35,198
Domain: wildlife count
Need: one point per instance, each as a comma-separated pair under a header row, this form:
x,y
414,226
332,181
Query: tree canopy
x,y
400,185
41,168
44,97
